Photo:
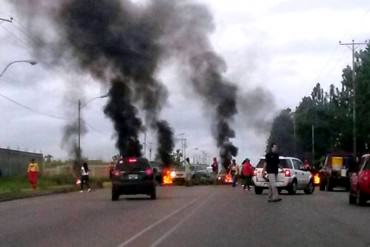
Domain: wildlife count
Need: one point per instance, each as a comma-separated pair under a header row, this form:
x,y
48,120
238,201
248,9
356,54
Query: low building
x,y
15,163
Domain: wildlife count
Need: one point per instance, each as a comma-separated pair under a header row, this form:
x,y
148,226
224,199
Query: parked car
x,y
133,176
337,171
291,177
360,183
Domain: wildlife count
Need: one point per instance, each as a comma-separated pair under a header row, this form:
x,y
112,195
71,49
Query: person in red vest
x,y
247,172
33,172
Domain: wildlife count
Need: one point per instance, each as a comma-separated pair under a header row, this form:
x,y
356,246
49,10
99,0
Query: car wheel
x,y
310,188
115,194
329,185
360,199
293,188
352,198
153,194
258,190
322,184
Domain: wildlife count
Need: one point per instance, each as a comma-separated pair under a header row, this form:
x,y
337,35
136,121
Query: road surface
x,y
196,216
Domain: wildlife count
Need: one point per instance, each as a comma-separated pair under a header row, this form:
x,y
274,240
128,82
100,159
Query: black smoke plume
x,y
123,44
165,142
116,37
125,120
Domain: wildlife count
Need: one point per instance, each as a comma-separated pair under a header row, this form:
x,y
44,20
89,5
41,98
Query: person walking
x,y
33,173
188,173
247,172
272,168
234,172
85,177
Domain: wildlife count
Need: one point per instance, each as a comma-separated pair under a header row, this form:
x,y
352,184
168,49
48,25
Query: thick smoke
x,y
187,28
123,44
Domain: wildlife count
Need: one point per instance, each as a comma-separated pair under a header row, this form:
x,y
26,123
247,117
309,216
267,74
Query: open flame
x,y
316,179
228,178
167,179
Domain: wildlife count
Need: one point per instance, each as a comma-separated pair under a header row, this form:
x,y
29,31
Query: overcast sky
x,y
284,46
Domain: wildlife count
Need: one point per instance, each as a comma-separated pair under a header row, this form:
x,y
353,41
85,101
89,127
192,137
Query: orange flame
x,y
316,179
167,177
228,178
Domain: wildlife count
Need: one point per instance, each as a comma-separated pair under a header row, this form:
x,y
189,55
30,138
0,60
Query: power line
x,y
30,109
92,128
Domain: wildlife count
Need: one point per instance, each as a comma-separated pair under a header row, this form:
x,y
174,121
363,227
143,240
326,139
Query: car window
x,y
297,164
261,163
139,165
284,163
366,164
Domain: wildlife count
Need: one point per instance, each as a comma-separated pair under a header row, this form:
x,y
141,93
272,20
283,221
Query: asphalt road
x,y
196,216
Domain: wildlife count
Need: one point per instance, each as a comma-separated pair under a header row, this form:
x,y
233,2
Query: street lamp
x,y
81,106
32,62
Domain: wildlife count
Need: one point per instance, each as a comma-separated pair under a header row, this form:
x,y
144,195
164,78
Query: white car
x,y
291,177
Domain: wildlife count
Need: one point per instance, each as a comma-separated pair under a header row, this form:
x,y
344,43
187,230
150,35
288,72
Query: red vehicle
x,y
360,183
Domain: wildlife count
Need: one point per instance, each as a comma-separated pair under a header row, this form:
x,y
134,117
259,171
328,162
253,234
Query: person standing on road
x,y
33,173
234,172
215,166
272,168
85,177
247,172
187,172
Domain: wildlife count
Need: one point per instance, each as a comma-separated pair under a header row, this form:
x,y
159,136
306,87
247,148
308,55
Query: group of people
x,y
245,172
33,172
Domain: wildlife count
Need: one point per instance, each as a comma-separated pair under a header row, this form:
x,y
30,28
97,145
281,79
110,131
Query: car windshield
x,y
138,165
367,164
284,163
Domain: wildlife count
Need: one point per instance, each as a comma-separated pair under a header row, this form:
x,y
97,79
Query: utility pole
x,y
353,45
313,144
79,134
145,145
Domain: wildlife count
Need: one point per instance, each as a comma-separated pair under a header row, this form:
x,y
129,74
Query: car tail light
x,y
116,173
149,171
287,173
132,160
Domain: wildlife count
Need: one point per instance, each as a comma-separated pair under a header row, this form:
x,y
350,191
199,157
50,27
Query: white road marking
x,y
175,227
128,241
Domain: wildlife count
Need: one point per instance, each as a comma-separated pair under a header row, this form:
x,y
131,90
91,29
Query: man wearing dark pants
x,y
272,169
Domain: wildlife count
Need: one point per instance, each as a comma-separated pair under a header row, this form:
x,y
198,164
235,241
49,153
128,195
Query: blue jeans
x,y
235,179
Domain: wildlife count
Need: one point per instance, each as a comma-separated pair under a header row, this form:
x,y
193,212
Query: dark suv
x,y
337,171
133,176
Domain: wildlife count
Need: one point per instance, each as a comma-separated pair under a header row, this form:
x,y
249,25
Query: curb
x,y
23,195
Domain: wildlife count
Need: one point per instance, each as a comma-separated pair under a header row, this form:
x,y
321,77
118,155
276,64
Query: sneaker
x,y
277,200
81,191
89,190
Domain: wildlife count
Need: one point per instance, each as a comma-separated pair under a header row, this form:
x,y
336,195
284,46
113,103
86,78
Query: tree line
x,y
326,116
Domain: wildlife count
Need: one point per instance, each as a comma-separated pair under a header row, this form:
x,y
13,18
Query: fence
x,y
15,163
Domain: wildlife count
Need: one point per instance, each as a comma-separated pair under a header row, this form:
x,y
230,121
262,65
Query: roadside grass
x,y
20,183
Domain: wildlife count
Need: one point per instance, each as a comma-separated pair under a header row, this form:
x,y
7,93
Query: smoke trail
x,y
125,120
165,143
122,44
187,29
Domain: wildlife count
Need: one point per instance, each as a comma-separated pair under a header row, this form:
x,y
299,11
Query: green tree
x,y
282,133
